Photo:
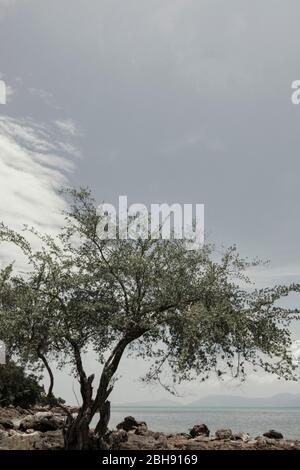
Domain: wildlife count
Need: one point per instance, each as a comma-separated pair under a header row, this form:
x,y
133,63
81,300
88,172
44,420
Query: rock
x,y
131,424
142,443
192,446
242,436
22,411
116,438
261,439
161,443
199,430
10,413
141,430
42,421
6,423
34,441
202,439
128,424
273,434
224,434
29,431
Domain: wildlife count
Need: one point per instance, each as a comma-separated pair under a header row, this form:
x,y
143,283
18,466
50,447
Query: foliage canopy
x,y
191,313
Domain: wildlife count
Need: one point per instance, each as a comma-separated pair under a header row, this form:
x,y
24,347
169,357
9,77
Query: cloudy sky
x,y
183,101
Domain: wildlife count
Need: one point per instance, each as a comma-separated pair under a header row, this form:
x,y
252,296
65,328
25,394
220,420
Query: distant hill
x,y
156,403
281,400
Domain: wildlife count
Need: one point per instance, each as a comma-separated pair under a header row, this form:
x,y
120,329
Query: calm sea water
x,y
255,421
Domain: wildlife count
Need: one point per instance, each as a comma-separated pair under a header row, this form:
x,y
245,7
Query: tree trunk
x,y
102,425
77,432
51,377
77,435
105,388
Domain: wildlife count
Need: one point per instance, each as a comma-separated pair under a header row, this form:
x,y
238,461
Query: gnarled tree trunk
x,y
102,425
50,373
77,432
77,435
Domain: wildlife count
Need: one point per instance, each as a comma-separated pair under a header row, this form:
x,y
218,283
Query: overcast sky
x,y
183,101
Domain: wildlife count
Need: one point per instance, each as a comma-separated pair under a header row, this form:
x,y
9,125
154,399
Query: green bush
x,y
17,388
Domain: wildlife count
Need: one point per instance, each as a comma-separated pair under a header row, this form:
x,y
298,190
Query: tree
x,y
18,388
184,310
24,327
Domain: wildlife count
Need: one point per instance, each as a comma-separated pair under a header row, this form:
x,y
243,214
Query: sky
x,y
184,101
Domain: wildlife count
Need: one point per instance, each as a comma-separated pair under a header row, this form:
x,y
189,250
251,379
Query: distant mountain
x,y
281,400
156,403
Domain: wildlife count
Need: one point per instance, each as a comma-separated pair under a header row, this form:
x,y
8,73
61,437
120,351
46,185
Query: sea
x,y
254,421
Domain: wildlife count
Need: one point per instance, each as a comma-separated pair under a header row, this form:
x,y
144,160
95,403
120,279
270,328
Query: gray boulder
x,y
242,436
6,423
199,430
131,424
224,434
272,434
42,421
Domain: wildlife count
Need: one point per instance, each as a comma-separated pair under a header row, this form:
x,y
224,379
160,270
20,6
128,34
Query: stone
x,y
161,443
131,424
260,440
139,443
199,430
6,423
34,441
202,439
141,430
138,436
29,431
42,421
224,434
272,434
116,438
241,436
194,446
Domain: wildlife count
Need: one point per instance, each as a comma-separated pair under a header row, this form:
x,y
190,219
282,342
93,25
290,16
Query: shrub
x,y
18,388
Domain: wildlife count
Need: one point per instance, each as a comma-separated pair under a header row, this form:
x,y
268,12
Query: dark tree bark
x,y
102,426
77,435
50,373
105,388
77,432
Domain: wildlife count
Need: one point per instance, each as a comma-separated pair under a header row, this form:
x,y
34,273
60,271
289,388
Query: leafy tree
x,y
186,311
18,388
24,327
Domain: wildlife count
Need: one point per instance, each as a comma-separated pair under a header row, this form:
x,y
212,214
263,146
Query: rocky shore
x,y
41,429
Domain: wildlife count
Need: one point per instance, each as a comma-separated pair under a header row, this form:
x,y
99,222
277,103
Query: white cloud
x,y
31,171
67,126
70,149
